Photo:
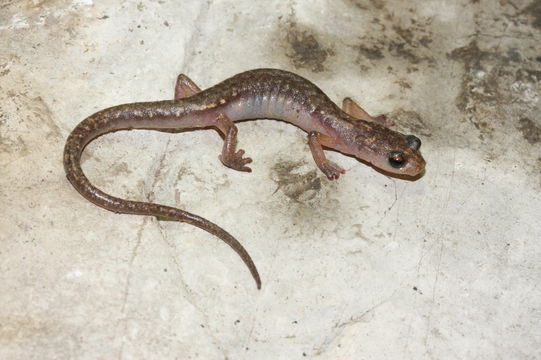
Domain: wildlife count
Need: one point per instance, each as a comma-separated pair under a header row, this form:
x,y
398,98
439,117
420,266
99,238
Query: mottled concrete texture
x,y
366,267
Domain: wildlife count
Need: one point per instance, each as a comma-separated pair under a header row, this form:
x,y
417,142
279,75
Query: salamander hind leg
x,y
316,141
185,87
230,157
352,108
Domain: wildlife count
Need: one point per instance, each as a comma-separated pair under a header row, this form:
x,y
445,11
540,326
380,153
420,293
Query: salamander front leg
x,y
229,156
185,87
352,108
317,141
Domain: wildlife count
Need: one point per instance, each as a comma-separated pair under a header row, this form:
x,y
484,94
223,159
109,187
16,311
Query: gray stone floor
x,y
366,267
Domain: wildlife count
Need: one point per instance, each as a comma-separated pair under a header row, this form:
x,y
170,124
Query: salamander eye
x,y
413,141
396,159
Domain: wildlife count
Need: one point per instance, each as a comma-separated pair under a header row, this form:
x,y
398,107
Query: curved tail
x,y
89,129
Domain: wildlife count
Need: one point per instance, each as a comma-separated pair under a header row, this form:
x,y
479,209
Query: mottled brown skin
x,y
261,93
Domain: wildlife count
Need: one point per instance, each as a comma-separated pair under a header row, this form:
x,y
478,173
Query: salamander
x,y
254,94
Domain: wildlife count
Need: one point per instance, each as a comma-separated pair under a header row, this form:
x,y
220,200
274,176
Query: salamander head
x,y
388,150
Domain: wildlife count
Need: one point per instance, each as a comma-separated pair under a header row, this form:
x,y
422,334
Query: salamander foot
x,y
236,161
331,170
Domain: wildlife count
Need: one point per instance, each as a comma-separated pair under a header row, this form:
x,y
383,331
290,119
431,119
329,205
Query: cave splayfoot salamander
x,y
261,93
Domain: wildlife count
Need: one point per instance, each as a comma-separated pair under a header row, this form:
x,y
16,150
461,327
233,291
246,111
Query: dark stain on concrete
x,y
297,185
478,85
411,120
367,4
121,169
534,12
410,42
494,79
371,53
497,85
304,49
530,130
528,75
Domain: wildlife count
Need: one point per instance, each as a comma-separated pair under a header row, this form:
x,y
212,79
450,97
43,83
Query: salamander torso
x,y
261,93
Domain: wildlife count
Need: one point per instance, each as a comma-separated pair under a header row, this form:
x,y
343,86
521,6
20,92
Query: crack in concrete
x,y
150,197
190,46
440,259
188,293
127,287
353,320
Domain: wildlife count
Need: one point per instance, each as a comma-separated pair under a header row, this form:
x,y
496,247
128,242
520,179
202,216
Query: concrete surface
x,y
367,267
